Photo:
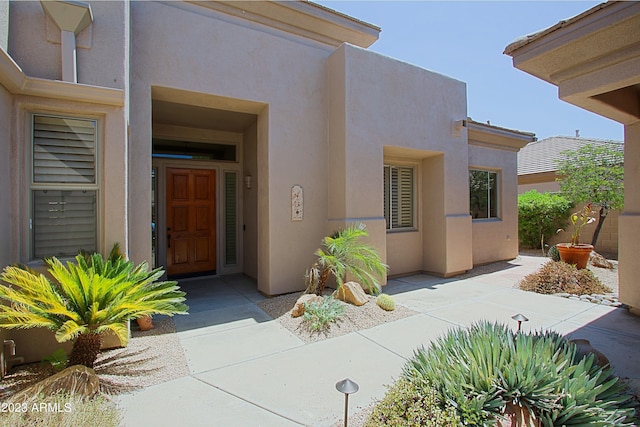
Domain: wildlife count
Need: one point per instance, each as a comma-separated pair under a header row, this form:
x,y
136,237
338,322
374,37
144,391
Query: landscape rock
x,y
298,308
352,293
598,260
76,380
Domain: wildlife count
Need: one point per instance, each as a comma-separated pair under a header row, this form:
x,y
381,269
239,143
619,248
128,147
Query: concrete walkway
x,y
247,370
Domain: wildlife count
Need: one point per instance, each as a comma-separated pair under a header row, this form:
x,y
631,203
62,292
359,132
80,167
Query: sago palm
x,y
345,254
86,299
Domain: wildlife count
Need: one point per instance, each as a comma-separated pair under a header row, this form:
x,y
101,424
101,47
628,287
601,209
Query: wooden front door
x,y
191,221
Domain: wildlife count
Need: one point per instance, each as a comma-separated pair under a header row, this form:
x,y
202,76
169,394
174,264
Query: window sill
x,y
487,219
401,230
40,263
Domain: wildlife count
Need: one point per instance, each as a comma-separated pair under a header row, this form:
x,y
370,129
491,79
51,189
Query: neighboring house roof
x,y
541,156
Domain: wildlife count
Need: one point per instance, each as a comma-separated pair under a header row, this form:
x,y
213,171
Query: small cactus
x,y
386,302
553,253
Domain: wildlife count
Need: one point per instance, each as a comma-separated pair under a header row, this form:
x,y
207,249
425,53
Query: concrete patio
x,y
248,370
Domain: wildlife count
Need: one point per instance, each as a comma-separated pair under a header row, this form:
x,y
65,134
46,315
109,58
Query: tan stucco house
x,y
230,137
594,60
537,170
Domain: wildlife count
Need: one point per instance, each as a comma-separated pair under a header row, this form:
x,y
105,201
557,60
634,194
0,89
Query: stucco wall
x,y
194,49
387,107
34,43
497,239
6,168
6,191
250,201
629,268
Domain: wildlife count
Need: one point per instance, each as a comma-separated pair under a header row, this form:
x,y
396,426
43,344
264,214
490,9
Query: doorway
x,y
191,222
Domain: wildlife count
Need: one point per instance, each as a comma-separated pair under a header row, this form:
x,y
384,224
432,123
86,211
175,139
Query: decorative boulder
x,y
352,293
298,308
598,260
76,380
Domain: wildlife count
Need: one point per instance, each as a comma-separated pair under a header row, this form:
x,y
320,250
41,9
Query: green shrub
x,y
539,216
556,277
62,410
318,315
85,299
412,403
342,254
58,359
482,369
553,253
386,302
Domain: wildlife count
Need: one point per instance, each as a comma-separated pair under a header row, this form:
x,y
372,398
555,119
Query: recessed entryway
x,y
203,215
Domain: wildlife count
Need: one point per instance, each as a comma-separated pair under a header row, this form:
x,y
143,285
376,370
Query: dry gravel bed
x,y
354,318
152,357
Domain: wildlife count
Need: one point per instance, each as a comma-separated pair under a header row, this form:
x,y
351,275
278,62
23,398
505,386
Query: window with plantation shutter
x,y
64,150
64,186
230,217
399,206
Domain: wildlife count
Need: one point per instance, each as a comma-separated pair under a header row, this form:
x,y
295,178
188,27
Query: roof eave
x,y
497,137
302,18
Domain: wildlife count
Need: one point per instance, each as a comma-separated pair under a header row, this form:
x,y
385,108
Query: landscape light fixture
x,y
519,318
347,387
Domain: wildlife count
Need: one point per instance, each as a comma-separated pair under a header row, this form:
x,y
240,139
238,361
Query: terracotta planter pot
x,y
145,323
577,255
517,416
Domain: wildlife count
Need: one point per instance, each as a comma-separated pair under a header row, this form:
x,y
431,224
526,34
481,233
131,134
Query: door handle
x,y
169,240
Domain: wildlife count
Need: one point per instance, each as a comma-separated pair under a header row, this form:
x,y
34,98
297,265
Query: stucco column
x,y
629,222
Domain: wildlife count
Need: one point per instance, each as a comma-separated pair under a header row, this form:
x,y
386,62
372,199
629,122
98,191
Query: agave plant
x,y
344,253
86,299
485,369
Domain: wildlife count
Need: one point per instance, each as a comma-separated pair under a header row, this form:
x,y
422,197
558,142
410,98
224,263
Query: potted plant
x,y
145,323
577,253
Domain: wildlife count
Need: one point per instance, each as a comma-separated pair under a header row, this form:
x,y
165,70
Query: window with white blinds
x,y
64,186
399,196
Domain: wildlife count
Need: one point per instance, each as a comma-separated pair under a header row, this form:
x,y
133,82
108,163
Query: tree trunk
x,y
85,350
602,215
323,281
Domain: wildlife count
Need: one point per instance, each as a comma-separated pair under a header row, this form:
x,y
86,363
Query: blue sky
x,y
465,40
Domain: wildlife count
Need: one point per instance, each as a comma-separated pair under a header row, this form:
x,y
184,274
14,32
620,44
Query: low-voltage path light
x,y
347,387
519,318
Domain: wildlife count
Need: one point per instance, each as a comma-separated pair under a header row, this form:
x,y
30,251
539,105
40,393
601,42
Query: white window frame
x,y
489,204
393,220
39,185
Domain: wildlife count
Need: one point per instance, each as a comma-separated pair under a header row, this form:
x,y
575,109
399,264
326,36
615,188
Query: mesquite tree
x,y
594,174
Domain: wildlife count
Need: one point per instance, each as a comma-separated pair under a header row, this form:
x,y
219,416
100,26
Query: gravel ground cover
x,y
354,318
152,357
